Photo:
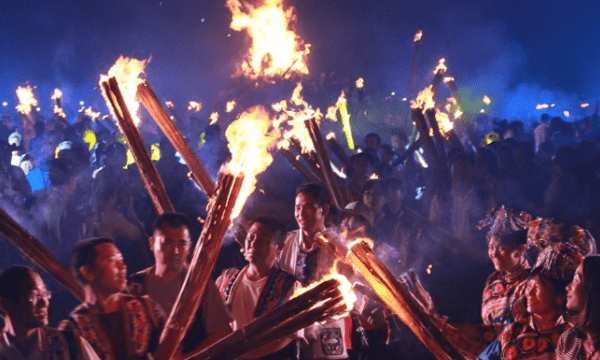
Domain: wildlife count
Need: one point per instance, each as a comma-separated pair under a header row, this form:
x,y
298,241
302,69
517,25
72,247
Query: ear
x,y
151,241
86,273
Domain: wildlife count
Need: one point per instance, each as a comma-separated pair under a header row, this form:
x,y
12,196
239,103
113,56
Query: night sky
x,y
519,55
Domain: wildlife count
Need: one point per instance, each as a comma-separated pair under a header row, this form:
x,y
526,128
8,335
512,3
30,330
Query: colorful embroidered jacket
x,y
142,323
52,344
520,340
274,293
499,295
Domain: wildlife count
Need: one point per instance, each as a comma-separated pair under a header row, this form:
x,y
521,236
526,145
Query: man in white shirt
x,y
260,286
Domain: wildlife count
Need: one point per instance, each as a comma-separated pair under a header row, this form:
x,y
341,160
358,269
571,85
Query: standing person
x,y
582,341
117,325
302,257
170,243
24,302
260,286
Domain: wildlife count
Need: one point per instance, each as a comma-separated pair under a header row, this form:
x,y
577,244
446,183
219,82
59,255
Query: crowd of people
x,y
535,189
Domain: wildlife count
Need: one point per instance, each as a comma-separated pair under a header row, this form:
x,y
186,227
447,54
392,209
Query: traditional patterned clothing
x,y
521,340
500,292
51,344
141,323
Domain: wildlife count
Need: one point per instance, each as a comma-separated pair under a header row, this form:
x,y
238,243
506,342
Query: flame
x,y
330,136
424,99
374,177
584,105
541,106
169,104
458,114
331,113
345,287
487,100
448,79
429,269
566,113
26,99
444,122
214,117
250,138
342,106
276,50
290,119
155,151
92,114
57,94
418,36
192,106
127,71
369,242
230,106
360,83
59,111
441,67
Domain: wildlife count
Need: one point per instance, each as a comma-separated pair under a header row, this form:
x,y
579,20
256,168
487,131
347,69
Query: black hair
x,y
274,225
560,285
589,320
171,220
510,239
84,253
377,185
316,191
11,282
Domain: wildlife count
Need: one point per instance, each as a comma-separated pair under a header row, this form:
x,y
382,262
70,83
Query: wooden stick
x,y
149,174
399,300
299,166
337,149
204,259
39,254
437,135
273,324
150,101
323,157
413,64
428,145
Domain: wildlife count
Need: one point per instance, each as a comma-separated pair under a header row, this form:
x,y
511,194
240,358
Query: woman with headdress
x,y
582,341
536,334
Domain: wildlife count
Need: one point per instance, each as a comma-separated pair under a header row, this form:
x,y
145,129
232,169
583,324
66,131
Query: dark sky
x,y
518,54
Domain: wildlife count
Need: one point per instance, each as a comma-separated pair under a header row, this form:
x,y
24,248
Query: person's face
x,y
32,309
503,258
171,247
309,215
576,292
541,297
109,273
260,246
374,199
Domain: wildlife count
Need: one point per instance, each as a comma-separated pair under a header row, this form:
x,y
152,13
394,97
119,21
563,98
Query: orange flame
x,y
444,122
541,106
59,111
487,100
429,269
26,99
57,94
92,114
374,177
332,113
330,136
424,99
276,50
418,36
458,114
345,288
230,106
250,138
360,83
441,67
193,106
584,105
290,119
128,73
214,117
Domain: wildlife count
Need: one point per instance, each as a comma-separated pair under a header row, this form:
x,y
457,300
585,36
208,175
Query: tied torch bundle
x,y
317,304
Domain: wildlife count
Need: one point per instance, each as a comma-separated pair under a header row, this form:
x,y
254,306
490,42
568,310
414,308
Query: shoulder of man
x,y
225,281
136,283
